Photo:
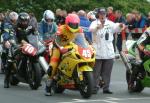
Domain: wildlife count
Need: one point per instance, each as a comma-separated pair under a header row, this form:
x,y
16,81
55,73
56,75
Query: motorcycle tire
x,y
128,75
13,80
57,88
86,85
137,85
35,76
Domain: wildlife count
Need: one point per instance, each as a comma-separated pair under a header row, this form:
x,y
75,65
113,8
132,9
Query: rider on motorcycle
x,y
142,42
47,27
66,34
19,35
8,28
7,34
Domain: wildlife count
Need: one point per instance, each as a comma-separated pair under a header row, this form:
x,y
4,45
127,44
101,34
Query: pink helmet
x,y
72,21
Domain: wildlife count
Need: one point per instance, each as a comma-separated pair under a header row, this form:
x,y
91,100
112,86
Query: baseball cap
x,y
101,11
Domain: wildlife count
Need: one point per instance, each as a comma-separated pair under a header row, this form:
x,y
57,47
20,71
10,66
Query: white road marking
x,y
107,100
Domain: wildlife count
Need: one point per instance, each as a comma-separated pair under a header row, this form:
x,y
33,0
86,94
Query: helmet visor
x,y
73,25
49,20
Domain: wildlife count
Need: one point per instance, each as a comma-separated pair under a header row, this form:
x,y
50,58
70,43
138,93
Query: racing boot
x,y
7,77
101,83
6,83
48,89
49,71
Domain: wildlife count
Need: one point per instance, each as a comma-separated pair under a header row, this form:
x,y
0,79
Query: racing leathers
x,y
64,37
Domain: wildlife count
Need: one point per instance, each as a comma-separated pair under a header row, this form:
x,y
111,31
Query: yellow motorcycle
x,y
75,70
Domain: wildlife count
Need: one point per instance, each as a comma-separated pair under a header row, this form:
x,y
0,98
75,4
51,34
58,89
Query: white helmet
x,y
13,15
91,15
48,14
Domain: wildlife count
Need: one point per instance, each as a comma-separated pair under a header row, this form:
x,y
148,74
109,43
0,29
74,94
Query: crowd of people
x,y
99,28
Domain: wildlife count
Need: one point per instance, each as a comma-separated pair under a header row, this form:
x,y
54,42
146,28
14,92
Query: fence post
x,y
123,34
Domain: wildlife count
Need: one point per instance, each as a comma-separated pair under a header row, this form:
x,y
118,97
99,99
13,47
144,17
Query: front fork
x,y
43,63
81,69
126,61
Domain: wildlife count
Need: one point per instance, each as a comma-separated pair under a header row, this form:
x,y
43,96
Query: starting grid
x,y
109,100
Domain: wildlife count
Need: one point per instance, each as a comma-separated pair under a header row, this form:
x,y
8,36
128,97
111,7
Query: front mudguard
x,y
81,69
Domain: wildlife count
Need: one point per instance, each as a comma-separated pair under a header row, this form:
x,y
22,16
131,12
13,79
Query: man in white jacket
x,y
103,30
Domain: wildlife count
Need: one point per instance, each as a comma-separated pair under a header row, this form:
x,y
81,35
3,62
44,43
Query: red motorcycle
x,y
26,63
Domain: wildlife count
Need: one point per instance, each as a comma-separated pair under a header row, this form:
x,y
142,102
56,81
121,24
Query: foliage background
x,y
39,6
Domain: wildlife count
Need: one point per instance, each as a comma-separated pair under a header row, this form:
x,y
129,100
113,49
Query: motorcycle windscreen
x,y
29,49
83,47
81,41
36,42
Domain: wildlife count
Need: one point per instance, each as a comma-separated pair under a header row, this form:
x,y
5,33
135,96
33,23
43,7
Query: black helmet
x,y
23,20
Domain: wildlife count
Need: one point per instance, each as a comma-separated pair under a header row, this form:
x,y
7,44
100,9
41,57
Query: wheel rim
x,y
84,85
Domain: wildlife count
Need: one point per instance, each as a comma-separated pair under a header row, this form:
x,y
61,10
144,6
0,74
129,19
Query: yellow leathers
x,y
64,37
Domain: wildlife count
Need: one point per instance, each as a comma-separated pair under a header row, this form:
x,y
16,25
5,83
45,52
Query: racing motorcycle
x,y
26,61
75,70
137,76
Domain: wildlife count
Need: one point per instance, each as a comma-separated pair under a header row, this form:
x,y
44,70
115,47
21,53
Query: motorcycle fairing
x,y
81,69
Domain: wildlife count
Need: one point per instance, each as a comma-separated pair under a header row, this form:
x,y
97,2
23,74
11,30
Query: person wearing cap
x,y
103,30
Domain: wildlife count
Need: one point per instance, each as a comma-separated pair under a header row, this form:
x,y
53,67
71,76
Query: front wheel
x,y
134,85
86,85
35,76
13,80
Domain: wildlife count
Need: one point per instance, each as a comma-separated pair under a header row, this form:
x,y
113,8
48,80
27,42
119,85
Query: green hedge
x,y
38,6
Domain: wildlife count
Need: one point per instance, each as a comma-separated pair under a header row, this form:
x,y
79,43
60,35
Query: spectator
x,y
140,20
1,40
60,17
110,14
148,20
64,13
111,17
9,33
103,30
33,21
130,21
91,16
1,22
119,19
6,15
85,23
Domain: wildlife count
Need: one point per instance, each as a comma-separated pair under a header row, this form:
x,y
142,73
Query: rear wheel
x,y
34,76
12,71
58,89
86,85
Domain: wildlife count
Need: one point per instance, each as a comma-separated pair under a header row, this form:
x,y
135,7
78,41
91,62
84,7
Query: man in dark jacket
x,y
16,33
148,20
119,19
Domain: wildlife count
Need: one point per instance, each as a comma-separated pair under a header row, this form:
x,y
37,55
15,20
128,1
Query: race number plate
x,y
29,49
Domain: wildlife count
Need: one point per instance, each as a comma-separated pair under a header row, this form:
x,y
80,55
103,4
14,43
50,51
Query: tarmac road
x,y
23,94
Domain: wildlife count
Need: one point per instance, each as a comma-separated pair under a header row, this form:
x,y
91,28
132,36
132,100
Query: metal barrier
x,y
135,30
